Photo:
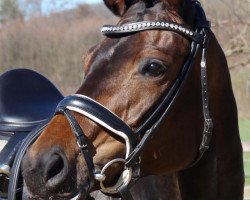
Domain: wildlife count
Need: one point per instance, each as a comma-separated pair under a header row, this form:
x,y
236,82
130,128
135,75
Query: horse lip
x,y
81,194
71,196
76,197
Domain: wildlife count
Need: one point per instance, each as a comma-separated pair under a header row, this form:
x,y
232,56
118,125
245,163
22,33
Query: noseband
x,y
102,116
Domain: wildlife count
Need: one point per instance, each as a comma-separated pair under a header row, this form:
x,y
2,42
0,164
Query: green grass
x,y
247,167
244,125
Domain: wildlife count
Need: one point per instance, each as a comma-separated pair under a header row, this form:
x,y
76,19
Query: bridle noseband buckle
x,y
82,146
208,126
207,134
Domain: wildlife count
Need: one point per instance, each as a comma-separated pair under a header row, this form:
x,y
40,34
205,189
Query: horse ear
x,y
184,8
119,7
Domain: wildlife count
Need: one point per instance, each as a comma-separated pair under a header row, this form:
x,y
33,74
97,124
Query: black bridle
x,y
105,118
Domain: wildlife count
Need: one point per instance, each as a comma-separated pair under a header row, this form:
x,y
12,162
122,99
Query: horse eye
x,y
153,69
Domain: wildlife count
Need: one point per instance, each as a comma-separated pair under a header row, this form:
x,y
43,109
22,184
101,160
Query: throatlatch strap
x,y
208,123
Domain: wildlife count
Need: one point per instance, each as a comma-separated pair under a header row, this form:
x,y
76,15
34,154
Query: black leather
x,y
6,156
124,193
26,100
100,112
15,181
82,142
102,116
118,31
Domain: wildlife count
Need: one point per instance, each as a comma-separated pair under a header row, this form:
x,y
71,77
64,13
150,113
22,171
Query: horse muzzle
x,y
47,174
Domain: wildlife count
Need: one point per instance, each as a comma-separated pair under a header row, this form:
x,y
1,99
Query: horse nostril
x,y
55,170
55,166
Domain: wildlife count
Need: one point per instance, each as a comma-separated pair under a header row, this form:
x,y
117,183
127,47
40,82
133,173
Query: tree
x,y
31,7
9,9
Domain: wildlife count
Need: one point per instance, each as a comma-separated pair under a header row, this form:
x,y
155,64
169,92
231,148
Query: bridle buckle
x,y
208,126
81,146
207,134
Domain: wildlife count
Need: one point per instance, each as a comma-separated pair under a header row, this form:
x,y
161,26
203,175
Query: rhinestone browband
x,y
112,30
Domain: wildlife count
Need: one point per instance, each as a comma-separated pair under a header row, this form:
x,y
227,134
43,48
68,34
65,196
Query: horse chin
x,y
81,194
26,194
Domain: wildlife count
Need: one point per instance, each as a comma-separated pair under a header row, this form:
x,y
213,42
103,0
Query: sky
x,y
50,5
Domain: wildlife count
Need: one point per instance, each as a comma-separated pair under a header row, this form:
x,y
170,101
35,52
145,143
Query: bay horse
x,y
142,110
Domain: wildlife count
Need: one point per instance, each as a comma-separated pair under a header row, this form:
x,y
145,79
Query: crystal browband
x,y
112,30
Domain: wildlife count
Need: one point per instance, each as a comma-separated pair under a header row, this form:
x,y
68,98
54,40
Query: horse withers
x,y
155,90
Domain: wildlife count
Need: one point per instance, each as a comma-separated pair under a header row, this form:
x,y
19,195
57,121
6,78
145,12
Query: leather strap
x,y
161,111
16,167
82,142
125,29
5,168
208,123
125,193
99,114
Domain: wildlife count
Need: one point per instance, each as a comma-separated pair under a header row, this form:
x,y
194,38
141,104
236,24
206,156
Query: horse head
x,y
127,76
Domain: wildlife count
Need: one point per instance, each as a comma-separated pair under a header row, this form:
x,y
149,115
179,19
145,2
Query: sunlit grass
x,y
247,167
244,125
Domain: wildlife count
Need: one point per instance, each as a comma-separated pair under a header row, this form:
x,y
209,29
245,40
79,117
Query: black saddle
x,y
27,100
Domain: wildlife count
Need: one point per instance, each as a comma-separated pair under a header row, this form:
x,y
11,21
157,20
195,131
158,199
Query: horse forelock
x,y
160,10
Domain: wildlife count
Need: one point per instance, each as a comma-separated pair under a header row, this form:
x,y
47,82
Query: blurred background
x,y
51,37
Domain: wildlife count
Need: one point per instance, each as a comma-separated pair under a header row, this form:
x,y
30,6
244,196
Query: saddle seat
x,y
27,99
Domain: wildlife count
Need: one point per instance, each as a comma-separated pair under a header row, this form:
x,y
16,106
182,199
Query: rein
x,y
102,116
